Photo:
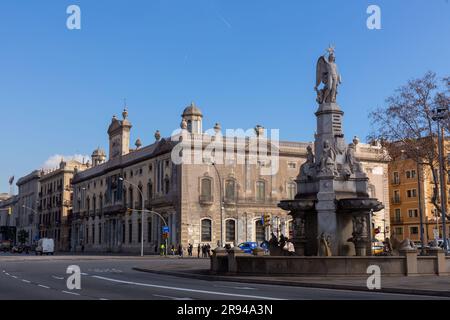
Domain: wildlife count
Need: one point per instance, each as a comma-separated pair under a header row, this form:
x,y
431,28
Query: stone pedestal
x,y
411,261
232,254
440,256
326,214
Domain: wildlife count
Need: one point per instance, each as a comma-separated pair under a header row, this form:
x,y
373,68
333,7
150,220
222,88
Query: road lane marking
x,y
42,286
173,298
26,281
15,277
72,293
237,288
186,289
103,299
58,278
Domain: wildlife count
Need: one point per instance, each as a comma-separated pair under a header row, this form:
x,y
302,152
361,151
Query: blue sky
x,y
243,62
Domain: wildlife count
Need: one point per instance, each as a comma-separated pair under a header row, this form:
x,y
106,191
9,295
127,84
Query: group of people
x,y
284,243
204,249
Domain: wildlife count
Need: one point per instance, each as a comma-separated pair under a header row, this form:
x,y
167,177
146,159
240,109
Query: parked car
x,y
248,247
5,246
45,246
377,248
21,248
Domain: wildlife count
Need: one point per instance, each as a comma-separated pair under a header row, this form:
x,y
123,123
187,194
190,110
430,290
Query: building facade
x,y
55,203
404,193
216,199
8,214
27,205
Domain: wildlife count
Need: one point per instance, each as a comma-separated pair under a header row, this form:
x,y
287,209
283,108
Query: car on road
x,y
45,246
21,249
248,247
5,246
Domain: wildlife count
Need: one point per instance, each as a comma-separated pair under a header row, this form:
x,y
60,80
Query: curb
x,y
210,277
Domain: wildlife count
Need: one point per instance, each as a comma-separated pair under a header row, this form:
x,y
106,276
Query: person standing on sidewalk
x,y
198,251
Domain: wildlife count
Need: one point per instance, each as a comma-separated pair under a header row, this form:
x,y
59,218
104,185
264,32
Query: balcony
x,y
397,220
395,181
206,200
396,200
114,209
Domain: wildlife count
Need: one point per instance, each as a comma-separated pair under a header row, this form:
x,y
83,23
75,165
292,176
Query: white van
x,y
45,246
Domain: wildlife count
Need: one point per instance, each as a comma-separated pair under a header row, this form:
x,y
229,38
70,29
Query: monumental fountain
x,y
332,209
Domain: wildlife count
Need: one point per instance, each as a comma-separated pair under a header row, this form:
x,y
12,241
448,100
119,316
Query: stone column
x,y
440,257
411,261
326,214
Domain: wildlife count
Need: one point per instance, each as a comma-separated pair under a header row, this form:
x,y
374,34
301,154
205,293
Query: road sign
x,y
436,233
165,229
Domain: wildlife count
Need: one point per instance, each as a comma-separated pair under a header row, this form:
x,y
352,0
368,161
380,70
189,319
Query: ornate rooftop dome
x,y
192,110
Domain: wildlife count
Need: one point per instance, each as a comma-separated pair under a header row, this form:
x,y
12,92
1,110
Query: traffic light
x,y
165,235
129,211
9,211
266,220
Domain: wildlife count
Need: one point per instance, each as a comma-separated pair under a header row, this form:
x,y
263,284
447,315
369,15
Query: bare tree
x,y
405,126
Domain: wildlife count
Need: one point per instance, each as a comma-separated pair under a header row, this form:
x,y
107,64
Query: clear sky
x,y
243,62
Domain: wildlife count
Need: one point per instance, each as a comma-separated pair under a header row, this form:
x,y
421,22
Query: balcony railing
x,y
396,200
397,220
206,199
395,181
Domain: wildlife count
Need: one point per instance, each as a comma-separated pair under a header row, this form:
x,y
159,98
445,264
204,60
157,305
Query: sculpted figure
x,y
328,74
308,169
328,160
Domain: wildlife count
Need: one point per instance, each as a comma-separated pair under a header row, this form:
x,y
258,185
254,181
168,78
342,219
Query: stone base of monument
x,y
236,262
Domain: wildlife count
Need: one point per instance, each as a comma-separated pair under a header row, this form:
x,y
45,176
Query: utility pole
x,y
441,114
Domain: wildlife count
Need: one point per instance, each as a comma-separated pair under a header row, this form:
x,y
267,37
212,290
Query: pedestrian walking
x,y
173,250
180,250
198,250
162,249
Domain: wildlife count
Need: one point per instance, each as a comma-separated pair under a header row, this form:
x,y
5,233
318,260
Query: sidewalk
x,y
421,285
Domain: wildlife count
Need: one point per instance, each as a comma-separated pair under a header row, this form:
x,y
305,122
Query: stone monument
x,y
332,209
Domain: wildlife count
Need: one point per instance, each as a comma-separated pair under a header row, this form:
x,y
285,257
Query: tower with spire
x,y
119,135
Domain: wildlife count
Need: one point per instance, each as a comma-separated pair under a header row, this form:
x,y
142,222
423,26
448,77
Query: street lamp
x,y
142,212
419,191
220,202
439,115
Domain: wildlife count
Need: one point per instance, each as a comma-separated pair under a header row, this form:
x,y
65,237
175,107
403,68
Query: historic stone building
x,y
27,204
107,203
55,203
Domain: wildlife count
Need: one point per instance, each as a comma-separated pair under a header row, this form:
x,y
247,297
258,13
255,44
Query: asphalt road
x,y
109,278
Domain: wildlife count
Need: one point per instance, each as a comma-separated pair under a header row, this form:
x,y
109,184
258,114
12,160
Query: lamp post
x,y
142,212
162,218
419,191
220,202
441,114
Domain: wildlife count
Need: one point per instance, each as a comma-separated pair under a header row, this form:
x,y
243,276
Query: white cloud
x,y
54,161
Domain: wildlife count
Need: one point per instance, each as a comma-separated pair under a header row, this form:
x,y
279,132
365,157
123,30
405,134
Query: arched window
x,y
130,198
140,193
291,190
206,231
166,184
230,190
260,190
259,231
230,228
150,190
206,189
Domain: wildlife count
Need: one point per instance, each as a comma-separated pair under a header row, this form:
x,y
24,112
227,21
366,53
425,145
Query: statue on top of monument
x,y
328,74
